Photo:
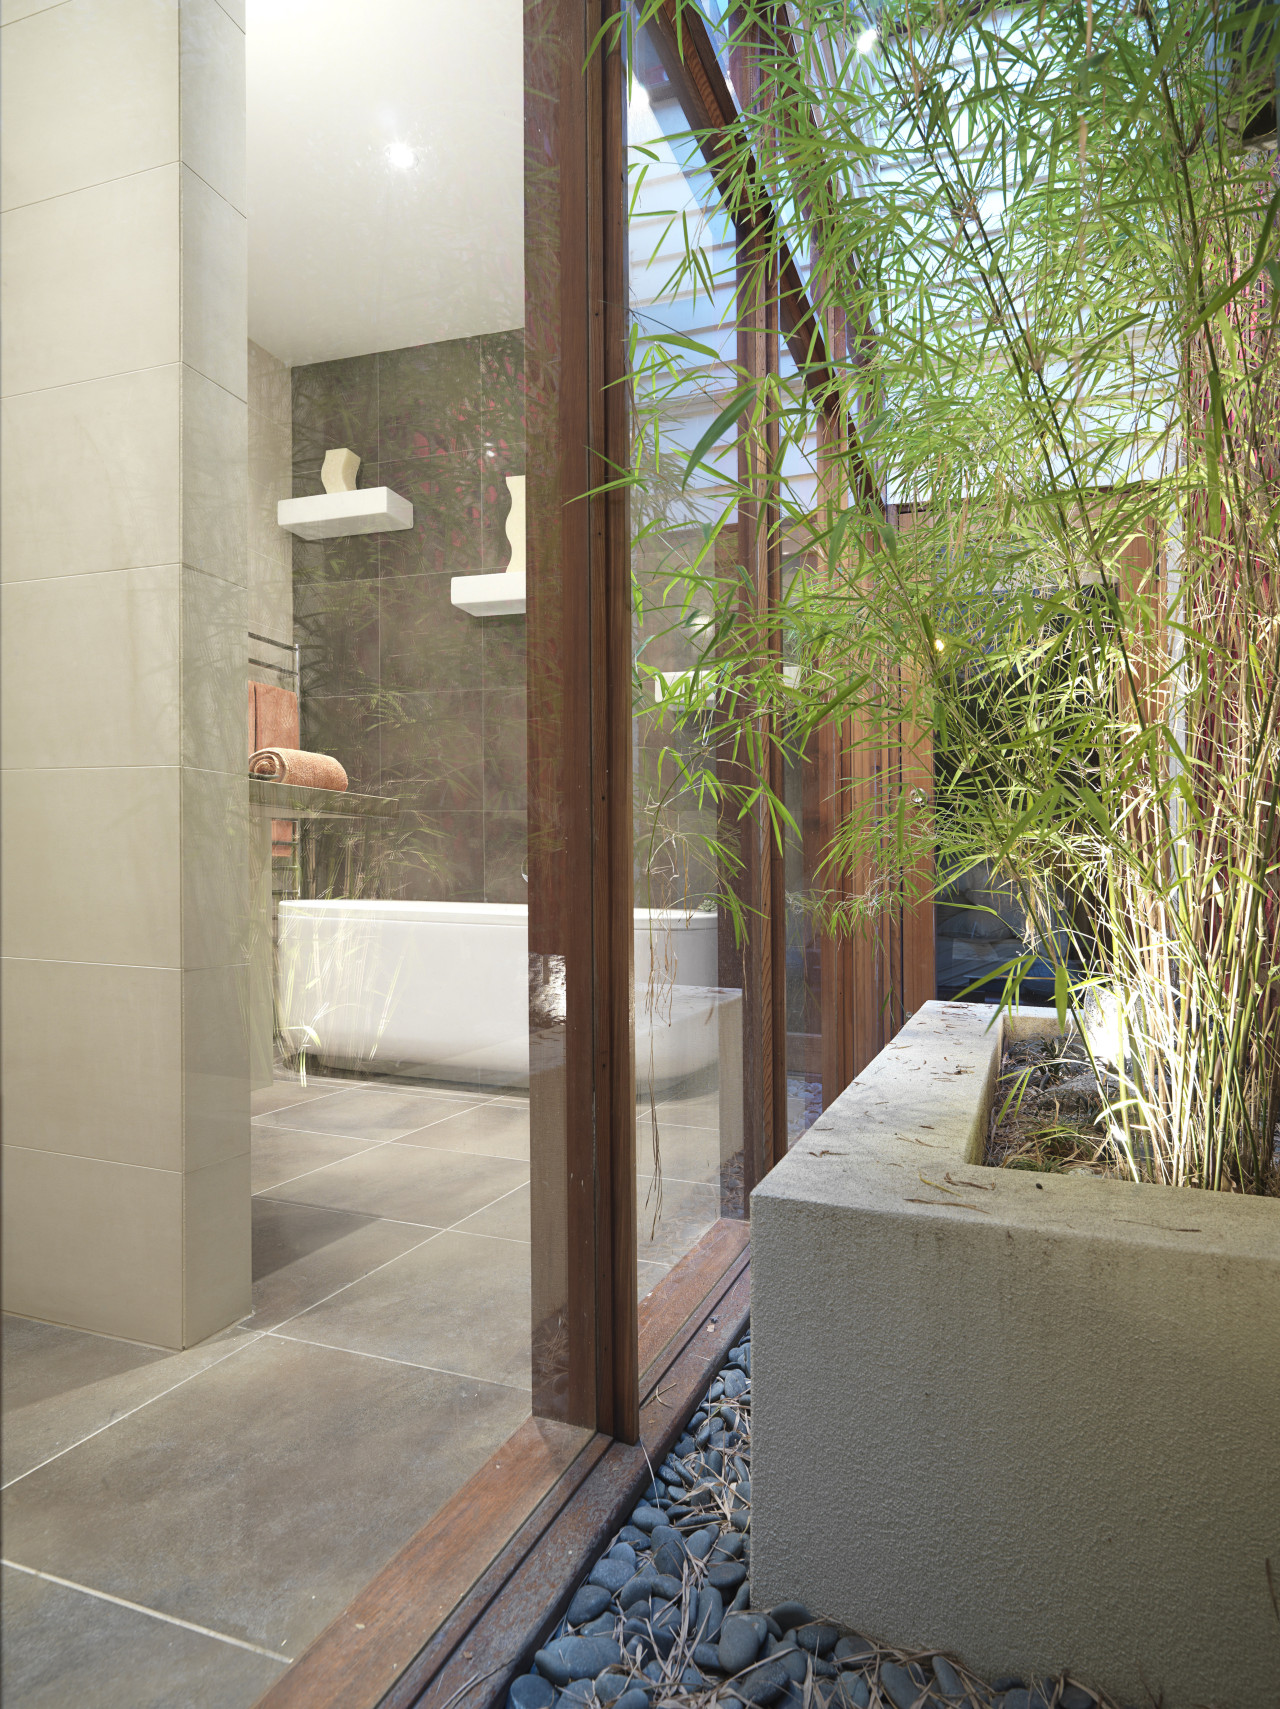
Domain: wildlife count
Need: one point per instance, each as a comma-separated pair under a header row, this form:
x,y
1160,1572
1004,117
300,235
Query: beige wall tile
x,y
118,704
215,286
89,94
12,10
94,1245
233,8
89,478
214,457
217,1234
214,624
270,385
93,1061
215,1065
213,100
91,866
92,283
270,480
215,868
270,608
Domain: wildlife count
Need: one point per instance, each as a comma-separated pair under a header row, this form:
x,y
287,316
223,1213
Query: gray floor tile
x,y
372,1112
649,1275
687,1153
301,1253
508,1218
408,1182
258,1498
285,1093
60,1385
687,1211
279,1154
64,1649
459,1303
497,1129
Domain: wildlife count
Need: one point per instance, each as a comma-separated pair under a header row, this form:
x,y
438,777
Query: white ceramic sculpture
x,y
338,471
515,524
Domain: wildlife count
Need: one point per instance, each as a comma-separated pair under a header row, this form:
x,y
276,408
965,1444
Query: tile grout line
x,y
251,1336
366,1146
408,1364
141,1608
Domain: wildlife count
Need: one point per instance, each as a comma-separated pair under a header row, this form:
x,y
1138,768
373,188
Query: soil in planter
x,y
1044,1115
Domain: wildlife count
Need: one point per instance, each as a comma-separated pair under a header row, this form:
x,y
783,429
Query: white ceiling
x,y
349,253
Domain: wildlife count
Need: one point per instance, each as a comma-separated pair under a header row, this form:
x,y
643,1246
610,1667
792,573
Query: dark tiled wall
x,y
417,699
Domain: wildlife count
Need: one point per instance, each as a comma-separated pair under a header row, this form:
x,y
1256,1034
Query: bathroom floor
x,y
179,1526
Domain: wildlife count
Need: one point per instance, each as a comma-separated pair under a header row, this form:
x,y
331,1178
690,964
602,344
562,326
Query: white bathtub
x,y
441,989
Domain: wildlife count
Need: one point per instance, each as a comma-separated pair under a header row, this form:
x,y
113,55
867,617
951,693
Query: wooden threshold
x,y
468,1598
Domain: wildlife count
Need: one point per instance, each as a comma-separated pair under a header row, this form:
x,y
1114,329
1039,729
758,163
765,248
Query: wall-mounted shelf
x,y
291,801
326,516
499,594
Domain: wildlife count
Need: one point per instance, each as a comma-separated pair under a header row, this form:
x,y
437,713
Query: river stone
x,y
710,1613
578,1658
854,1651
647,1516
784,1651
645,1584
1076,1697
726,1575
852,1691
591,1600
702,1542
786,1614
817,1638
763,1685
611,1575
899,1686
741,1636
1018,1698
601,1623
623,1552
729,1546
530,1692
612,1685
633,1699
946,1678
735,1383
707,1657
579,1694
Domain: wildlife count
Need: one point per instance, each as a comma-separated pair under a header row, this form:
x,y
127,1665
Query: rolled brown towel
x,y
292,765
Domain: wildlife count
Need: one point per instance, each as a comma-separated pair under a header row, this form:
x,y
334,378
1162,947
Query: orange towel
x,y
291,765
273,722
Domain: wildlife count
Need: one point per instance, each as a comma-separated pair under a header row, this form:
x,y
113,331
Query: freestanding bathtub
x,y
441,989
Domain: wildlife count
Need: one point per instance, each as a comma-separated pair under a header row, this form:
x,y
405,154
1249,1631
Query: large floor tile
x,y
408,1182
507,1218
302,1253
496,1129
458,1303
686,1212
701,1109
371,1112
260,1497
687,1153
279,1154
282,1094
63,1647
649,1275
61,1385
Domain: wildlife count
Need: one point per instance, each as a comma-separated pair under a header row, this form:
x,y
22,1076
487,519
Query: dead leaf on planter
x,y
949,1205
982,1186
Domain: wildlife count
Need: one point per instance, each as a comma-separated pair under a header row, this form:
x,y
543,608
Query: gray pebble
x,y
763,1685
611,1575
601,1623
692,1680
577,1658
610,1686
786,1614
741,1636
710,1613
591,1600
631,1534
852,1691
735,1384
854,1650
1018,1698
702,1542
946,1678
623,1552
898,1685
707,1657
816,1637
728,1548
1076,1697
530,1692
647,1516
726,1575
741,1600
633,1699
578,1695
670,1559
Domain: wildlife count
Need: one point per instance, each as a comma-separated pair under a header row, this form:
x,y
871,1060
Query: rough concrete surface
x,y
1030,1419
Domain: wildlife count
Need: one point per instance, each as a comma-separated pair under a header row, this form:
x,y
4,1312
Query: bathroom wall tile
x,y
88,93
93,1061
504,652
270,387
426,642
506,845
119,704
94,1245
270,480
215,430
212,73
92,283
432,750
214,626
270,606
90,476
235,10
502,388
445,492
215,1065
436,857
430,400
336,625
123,905
217,1233
346,726
13,10
215,868
215,286
505,716
334,404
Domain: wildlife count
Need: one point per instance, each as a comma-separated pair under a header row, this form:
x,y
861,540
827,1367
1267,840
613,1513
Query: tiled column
x,y
126,1171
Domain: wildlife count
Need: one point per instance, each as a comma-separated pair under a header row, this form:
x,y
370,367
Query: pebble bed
x,y
665,1614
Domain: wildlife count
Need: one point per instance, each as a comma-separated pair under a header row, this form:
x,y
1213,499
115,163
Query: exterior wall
x,y
417,699
126,1185
1025,1418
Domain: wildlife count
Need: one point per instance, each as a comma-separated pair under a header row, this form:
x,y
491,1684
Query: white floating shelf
x,y
368,510
498,594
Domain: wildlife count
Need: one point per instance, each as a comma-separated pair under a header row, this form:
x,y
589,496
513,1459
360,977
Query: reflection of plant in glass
x,y
1050,243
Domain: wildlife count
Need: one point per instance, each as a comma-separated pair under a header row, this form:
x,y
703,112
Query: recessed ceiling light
x,y
399,154
867,40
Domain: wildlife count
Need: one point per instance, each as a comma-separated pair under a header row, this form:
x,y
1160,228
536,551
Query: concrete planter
x,y
1030,1419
